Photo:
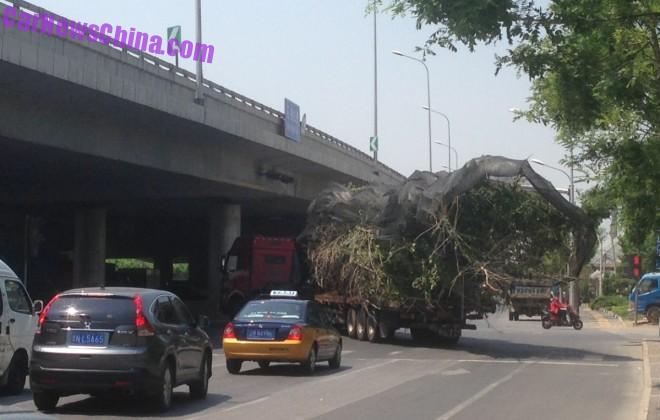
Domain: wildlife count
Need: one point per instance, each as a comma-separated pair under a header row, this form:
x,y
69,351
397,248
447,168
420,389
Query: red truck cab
x,y
254,265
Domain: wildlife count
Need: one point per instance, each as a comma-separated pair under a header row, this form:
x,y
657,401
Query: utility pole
x,y
428,100
199,98
375,82
613,235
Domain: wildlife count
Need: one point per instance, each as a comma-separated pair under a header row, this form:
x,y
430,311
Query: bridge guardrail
x,y
211,86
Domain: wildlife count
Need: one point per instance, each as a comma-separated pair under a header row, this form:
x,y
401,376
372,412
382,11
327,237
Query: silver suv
x,y
129,340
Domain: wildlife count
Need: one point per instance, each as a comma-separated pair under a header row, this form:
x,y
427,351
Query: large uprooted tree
x,y
479,225
595,72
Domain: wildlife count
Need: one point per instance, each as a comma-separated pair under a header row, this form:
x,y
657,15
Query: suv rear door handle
x,y
12,320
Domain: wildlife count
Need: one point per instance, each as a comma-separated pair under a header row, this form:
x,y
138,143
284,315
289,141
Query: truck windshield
x,y
648,285
271,309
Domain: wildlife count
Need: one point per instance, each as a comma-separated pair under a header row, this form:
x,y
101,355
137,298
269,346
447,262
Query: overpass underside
x,y
86,178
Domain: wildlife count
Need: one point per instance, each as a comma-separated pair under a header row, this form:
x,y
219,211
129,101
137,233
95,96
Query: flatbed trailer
x,y
363,320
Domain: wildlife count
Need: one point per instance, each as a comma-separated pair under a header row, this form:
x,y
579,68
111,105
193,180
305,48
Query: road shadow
x,y
502,349
499,349
6,399
182,405
292,370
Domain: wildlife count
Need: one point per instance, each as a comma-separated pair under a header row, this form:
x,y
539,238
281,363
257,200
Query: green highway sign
x,y
174,32
373,144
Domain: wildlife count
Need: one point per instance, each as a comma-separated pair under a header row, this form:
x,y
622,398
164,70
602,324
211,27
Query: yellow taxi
x,y
281,328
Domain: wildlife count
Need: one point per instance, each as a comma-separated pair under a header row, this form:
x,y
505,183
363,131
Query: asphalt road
x,y
504,370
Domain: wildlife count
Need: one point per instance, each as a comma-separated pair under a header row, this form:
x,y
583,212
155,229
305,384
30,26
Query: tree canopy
x,y
595,72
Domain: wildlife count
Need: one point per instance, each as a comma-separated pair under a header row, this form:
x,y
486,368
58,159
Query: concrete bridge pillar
x,y
224,225
89,248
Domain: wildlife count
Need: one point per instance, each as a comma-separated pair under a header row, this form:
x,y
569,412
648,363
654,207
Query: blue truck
x,y
648,297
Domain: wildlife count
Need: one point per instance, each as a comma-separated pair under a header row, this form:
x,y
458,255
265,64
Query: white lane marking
x,y
214,414
646,392
352,372
455,372
462,406
236,407
394,353
343,352
538,362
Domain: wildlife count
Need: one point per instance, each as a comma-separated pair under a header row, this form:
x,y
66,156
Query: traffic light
x,y
637,266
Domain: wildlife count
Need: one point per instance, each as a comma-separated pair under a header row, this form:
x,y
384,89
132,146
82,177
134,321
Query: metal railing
x,y
209,85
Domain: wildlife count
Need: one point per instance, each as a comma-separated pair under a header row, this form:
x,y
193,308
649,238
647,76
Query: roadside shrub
x,y
617,285
609,301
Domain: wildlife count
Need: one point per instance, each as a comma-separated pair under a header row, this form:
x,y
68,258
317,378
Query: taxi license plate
x,y
260,334
84,338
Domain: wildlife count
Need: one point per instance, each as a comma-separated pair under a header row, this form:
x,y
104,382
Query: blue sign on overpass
x,y
291,120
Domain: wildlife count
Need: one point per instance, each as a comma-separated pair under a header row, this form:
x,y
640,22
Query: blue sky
x,y
320,55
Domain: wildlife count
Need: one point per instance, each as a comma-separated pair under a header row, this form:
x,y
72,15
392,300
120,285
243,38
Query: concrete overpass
x,y
94,139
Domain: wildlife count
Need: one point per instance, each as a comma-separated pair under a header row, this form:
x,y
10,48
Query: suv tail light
x,y
229,331
144,328
44,313
295,333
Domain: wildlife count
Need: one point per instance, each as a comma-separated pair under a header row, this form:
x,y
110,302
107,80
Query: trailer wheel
x,y
373,335
449,341
421,335
361,325
351,323
385,331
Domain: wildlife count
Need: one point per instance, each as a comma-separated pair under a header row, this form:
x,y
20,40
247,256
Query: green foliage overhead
x,y
595,71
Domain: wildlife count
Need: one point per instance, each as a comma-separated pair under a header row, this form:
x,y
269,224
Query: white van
x,y
18,323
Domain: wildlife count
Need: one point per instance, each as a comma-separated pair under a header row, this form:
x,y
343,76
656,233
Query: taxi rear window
x,y
268,309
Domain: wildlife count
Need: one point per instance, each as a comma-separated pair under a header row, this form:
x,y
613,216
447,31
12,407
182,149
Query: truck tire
x,y
385,331
449,341
516,316
653,314
236,303
373,333
351,323
510,316
421,335
361,325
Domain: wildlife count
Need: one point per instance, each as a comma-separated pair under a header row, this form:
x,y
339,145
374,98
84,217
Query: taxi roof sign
x,y
283,293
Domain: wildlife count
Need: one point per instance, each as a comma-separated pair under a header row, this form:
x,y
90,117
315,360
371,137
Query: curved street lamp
x,y
428,96
571,192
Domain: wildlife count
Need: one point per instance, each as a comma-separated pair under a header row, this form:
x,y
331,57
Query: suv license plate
x,y
260,334
84,338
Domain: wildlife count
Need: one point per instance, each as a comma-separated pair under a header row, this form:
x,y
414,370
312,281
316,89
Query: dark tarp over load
x,y
413,230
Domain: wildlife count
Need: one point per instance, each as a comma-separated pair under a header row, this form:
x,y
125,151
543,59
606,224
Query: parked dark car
x,y
127,340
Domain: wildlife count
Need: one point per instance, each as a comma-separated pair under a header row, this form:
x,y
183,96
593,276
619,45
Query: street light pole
x,y
571,187
571,198
449,148
375,83
198,18
428,101
448,136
